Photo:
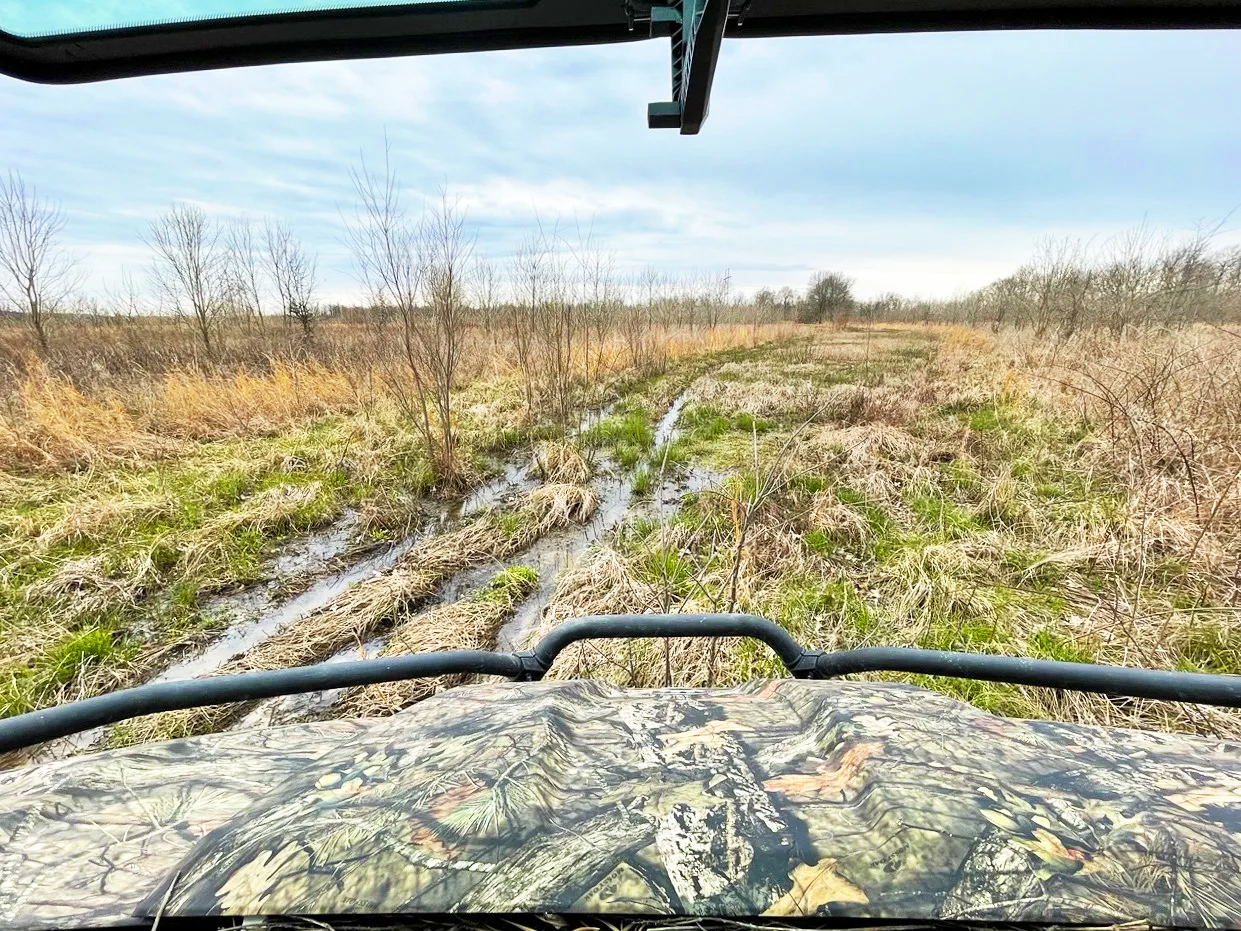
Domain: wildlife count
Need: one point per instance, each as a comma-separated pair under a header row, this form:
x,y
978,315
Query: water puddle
x,y
514,479
259,613
558,551
311,553
261,623
666,429
595,416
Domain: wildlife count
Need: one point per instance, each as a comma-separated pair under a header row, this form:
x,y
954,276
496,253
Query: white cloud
x,y
926,164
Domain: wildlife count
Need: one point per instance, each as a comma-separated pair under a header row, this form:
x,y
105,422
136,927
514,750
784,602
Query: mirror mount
x,y
696,28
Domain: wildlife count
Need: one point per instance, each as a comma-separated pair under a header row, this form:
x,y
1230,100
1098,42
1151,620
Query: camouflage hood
x,y
779,798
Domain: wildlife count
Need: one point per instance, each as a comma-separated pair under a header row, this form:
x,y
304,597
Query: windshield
x,y
923,341
320,353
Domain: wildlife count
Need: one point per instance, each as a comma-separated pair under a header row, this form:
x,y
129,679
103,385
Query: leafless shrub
x,y
189,270
243,271
420,270
1138,279
36,274
293,271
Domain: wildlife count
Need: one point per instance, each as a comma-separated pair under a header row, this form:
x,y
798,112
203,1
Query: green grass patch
x,y
943,517
968,634
628,437
644,478
28,687
511,585
1048,643
1210,646
672,571
704,423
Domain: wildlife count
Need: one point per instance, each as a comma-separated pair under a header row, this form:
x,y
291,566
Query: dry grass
x,y
561,461
52,426
191,406
1077,505
470,624
92,519
972,492
761,395
370,606
134,391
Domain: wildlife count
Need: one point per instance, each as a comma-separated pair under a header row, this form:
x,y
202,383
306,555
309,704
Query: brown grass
x,y
1003,495
129,391
604,582
52,426
756,392
1076,503
561,461
370,606
471,624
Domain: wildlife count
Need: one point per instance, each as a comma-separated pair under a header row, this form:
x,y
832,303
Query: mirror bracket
x,y
697,32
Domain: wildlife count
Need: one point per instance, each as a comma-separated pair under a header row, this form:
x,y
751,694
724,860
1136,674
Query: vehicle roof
x,y
434,26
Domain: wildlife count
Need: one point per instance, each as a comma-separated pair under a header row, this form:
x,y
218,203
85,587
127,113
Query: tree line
x,y
1142,278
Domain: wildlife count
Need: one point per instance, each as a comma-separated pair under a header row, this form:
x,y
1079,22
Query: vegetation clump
x,y
467,624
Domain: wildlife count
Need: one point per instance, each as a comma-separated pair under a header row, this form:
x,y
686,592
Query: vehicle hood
x,y
777,798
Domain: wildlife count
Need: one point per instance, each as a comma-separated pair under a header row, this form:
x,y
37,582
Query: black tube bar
x,y
1203,688
798,660
35,727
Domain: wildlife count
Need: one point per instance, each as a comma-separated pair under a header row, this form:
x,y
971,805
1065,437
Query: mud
x,y
326,564
257,627
557,552
260,612
548,556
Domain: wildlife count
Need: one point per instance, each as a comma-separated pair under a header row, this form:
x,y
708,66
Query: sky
x,y
922,164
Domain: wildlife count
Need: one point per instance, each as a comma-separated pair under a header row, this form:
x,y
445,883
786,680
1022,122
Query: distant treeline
x,y
1139,279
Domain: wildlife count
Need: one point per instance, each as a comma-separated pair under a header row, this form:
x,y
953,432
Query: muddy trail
x,y
311,573
321,563
549,556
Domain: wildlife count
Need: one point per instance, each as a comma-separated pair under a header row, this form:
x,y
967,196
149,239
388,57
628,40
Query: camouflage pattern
x,y
781,798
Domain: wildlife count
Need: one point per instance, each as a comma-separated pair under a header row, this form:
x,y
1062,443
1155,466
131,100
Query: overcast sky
x,y
925,164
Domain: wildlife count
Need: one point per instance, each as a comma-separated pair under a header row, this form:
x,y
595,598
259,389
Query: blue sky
x,y
926,164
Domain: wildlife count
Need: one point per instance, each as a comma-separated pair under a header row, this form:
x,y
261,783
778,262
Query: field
x,y
935,486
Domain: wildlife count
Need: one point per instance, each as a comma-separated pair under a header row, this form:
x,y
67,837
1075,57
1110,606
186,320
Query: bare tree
x,y
488,294
445,254
597,299
189,267
557,325
1060,282
636,318
786,301
400,260
244,270
530,274
715,297
36,274
294,271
